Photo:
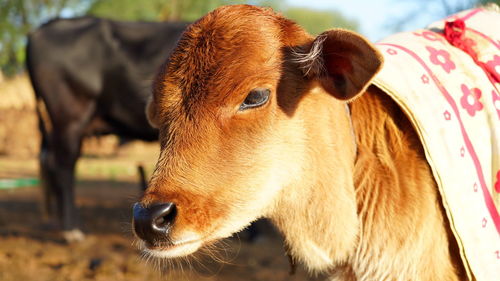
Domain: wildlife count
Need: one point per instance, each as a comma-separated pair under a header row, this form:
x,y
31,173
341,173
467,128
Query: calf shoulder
x,y
404,233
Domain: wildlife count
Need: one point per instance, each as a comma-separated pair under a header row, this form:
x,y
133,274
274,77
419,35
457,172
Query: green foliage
x,y
131,10
13,27
153,10
18,17
186,10
315,21
189,10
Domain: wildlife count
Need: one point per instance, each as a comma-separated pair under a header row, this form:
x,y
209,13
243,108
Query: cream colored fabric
x,y
455,108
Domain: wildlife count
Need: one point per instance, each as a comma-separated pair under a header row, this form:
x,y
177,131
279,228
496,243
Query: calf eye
x,y
255,98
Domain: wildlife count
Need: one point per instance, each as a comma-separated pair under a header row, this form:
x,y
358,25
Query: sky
x,y
378,17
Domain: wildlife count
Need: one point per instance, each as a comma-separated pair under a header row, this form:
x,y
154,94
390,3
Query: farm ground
x,y
106,189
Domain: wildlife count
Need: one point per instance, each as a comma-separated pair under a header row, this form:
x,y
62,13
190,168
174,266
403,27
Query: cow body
x,y
259,119
91,76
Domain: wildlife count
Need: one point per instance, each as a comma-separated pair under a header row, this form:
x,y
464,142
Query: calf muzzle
x,y
153,223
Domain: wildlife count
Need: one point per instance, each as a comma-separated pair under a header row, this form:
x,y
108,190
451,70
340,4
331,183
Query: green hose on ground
x,y
15,183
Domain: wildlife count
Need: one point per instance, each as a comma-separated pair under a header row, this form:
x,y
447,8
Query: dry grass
x,y
16,93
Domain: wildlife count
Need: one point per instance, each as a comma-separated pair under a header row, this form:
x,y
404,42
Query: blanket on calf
x,y
446,79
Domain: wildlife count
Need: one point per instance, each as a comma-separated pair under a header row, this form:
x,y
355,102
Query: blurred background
x,y
374,19
107,180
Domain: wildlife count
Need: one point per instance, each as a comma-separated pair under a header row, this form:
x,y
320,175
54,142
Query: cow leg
x,y
46,165
57,165
49,195
66,150
60,151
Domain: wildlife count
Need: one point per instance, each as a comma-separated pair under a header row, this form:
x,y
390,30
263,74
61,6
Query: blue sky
x,y
377,17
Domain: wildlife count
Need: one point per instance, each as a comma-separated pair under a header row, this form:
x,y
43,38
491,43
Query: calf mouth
x,y
171,250
171,246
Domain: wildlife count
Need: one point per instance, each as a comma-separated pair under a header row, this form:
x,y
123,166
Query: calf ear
x,y
151,113
343,61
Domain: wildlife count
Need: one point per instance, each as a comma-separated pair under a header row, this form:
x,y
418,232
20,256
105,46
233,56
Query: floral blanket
x,y
446,79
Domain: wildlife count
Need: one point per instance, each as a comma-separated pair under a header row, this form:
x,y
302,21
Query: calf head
x,y
253,123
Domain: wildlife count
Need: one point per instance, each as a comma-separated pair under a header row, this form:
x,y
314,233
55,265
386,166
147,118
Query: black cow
x,y
91,76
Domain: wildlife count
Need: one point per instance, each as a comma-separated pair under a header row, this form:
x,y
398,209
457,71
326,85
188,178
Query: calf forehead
x,y
220,53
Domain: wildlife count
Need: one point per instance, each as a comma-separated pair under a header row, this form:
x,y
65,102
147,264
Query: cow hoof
x,y
74,235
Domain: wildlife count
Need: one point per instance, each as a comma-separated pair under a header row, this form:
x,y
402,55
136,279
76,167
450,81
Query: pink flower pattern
x,y
431,36
447,115
391,52
442,58
459,111
496,102
470,100
425,79
493,67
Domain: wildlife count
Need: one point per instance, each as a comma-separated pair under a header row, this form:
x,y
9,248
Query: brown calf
x,y
254,123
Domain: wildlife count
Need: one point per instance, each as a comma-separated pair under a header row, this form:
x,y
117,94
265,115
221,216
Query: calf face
x,y
253,123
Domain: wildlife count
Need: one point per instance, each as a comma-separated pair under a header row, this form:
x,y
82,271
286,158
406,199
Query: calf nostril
x,y
153,223
160,222
163,216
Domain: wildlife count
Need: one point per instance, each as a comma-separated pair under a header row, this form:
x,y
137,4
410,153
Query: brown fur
x,y
363,210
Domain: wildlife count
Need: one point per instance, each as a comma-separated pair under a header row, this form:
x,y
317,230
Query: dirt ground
x,y
104,198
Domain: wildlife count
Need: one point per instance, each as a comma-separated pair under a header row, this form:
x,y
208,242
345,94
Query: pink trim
x,y
486,194
466,16
471,13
